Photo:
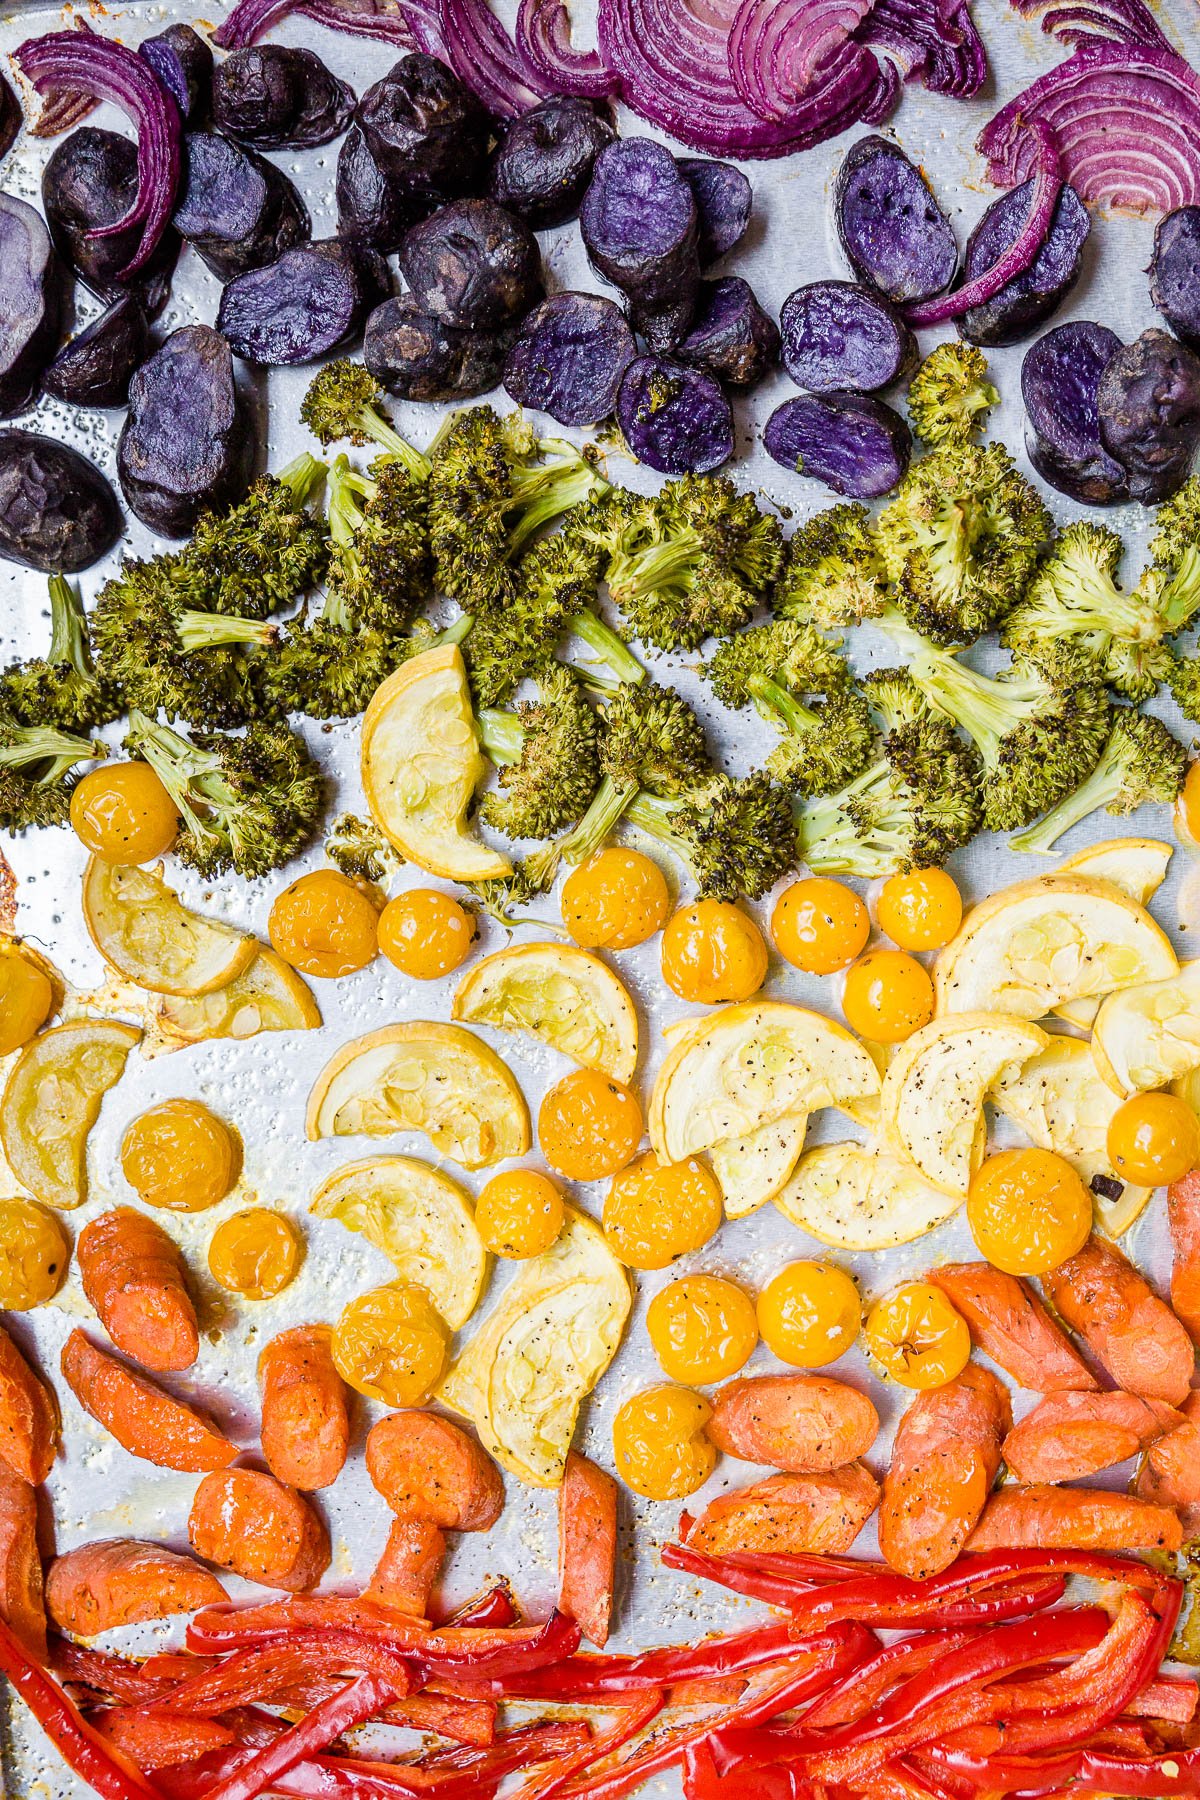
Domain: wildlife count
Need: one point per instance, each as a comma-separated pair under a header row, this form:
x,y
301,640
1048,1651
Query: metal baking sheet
x,y
96,1490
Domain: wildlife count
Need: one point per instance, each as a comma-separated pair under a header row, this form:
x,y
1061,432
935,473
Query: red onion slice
x,y
777,47
62,110
389,20
1121,21
484,57
935,42
544,45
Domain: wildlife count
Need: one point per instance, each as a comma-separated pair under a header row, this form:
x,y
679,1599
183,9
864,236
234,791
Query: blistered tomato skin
x,y
659,1445
425,933
702,1329
33,1255
589,1126
713,953
917,1337
819,925
809,1314
888,995
255,1253
519,1214
179,1156
26,997
324,925
1028,1211
615,900
921,910
390,1344
654,1211
1154,1139
122,813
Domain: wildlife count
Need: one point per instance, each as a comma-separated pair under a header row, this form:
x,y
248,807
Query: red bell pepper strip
x,y
701,1781
594,1677
358,1701
1172,1697
260,1674
101,1672
495,1606
158,1741
631,1718
452,1650
862,1689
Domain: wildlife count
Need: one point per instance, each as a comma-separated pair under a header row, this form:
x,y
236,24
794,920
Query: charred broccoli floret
x,y
735,837
771,667
355,847
343,402
950,396
960,540
61,688
380,568
832,573
548,753
1141,761
258,556
36,765
247,803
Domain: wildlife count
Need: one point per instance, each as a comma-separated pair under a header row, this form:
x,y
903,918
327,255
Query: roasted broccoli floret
x,y
61,688
950,396
832,573
36,765
355,847
343,402
380,568
247,803
771,667
1141,761
548,753
735,837
259,555
503,899
960,541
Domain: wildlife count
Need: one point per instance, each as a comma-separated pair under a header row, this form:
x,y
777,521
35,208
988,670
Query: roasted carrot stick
x,y
305,1411
944,1461
144,1420
426,1467
133,1274
1183,1219
28,1416
1170,1474
22,1606
1008,1322
1054,1518
1070,1436
587,1547
158,1740
803,1424
407,1572
790,1512
120,1581
250,1523
1123,1322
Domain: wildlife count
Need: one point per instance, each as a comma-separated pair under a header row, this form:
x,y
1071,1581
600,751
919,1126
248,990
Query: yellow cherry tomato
x,y
921,910
809,1314
917,1336
702,1328
255,1253
654,1211
519,1213
179,1156
425,933
1028,1211
615,900
122,813
820,925
26,997
324,924
888,995
589,1125
33,1255
1187,808
1153,1139
714,953
659,1445
390,1344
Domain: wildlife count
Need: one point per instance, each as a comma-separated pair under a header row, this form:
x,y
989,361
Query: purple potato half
x,y
1149,407
1029,299
309,302
91,180
673,418
372,207
1060,382
1175,272
544,161
31,303
419,357
731,336
183,63
640,225
837,335
236,209
473,265
723,199
185,446
96,367
893,232
664,327
854,444
10,115
57,511
278,98
569,357
425,129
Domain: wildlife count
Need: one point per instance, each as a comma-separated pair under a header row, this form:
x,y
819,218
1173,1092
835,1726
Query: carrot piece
x,y
251,1524
1008,1322
426,1467
121,1581
22,1606
1170,1473
1183,1220
1054,1518
407,1572
134,1276
305,1411
804,1424
29,1425
144,1420
587,1547
1123,1322
944,1460
1070,1436
161,1740
790,1513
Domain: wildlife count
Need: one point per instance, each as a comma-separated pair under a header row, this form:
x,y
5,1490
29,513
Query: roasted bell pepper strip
x,y
260,1674
591,1677
1172,1697
102,1672
495,1606
1165,1772
630,1719
701,1781
358,1701
863,1688
159,1741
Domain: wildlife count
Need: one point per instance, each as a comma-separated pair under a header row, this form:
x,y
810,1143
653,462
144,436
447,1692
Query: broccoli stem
x,y
303,476
604,643
1181,596
775,702
390,441
210,631
547,490
1102,786
608,804
175,762
652,815
500,734
29,745
68,632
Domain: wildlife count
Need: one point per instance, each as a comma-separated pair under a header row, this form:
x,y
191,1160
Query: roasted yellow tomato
x,y
921,910
819,925
1028,1211
714,953
123,813
425,933
659,1445
26,997
654,1211
179,1156
324,924
702,1328
589,1125
33,1255
255,1253
1187,808
809,1314
1153,1139
917,1337
519,1214
615,900
888,995
390,1344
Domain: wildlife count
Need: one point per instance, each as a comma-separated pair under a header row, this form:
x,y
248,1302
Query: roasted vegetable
x,y
183,62
236,209
723,199
91,182
371,204
426,130
10,115
61,688
57,511
419,357
183,446
278,98
950,395
568,358
36,765
31,303
852,442
731,336
833,573
255,558
1029,299
840,336
381,563
308,302
641,226
1148,403
343,401
734,837
96,367
778,668
1140,762
473,265
673,418
1060,384
892,230
547,751
542,166
1175,272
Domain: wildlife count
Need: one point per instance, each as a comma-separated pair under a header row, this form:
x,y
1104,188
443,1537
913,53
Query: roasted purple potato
x,y
10,115
723,199
278,98
419,357
1175,272
372,208
473,265
544,161
1149,407
731,336
426,130
837,336
853,443
310,301
32,288
640,225
236,209
673,418
893,232
1028,300
91,180
183,63
184,447
569,357
96,367
1060,381
664,327
57,512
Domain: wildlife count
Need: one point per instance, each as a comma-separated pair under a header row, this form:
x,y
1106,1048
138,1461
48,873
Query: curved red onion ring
x,y
99,66
484,57
248,20
62,110
543,38
776,48
934,40
389,20
1120,21
1047,187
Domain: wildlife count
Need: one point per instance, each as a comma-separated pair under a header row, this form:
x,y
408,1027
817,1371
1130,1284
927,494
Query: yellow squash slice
x,y
142,929
421,765
527,1370
267,996
427,1077
563,995
52,1100
421,1219
751,1170
931,1106
857,1197
1147,1036
1138,866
